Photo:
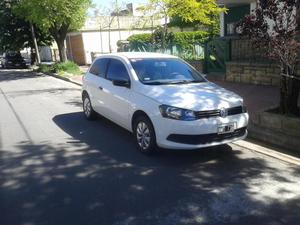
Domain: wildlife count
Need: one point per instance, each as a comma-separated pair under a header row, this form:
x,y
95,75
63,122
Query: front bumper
x,y
175,134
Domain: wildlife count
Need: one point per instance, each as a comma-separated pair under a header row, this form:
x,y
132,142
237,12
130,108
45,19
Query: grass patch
x,y
66,67
44,69
62,69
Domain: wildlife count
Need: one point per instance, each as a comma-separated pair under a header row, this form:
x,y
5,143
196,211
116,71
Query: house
x,y
237,9
101,34
233,56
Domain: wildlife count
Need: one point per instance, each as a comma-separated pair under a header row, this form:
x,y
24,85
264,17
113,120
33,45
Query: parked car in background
x,y
13,59
163,101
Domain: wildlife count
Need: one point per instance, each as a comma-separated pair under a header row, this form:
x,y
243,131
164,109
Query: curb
x,y
267,151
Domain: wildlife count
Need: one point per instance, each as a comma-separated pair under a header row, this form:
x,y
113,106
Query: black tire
x,y
144,146
88,110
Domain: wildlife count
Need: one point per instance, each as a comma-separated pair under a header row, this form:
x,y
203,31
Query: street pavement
x,y
57,168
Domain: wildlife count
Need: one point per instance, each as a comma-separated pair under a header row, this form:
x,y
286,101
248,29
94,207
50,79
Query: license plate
x,y
226,128
17,64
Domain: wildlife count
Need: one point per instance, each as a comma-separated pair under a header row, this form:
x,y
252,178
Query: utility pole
x,y
118,19
38,58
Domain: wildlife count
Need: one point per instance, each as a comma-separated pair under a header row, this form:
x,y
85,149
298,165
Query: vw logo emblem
x,y
223,112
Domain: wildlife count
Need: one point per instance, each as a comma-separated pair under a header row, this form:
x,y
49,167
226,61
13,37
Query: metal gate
x,y
217,52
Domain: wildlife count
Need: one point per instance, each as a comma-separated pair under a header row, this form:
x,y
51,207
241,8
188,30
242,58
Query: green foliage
x,y
61,68
136,38
68,67
56,17
44,68
182,39
48,14
15,32
203,12
187,38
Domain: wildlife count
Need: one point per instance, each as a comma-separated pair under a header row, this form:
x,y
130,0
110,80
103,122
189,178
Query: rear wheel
x,y
144,135
88,110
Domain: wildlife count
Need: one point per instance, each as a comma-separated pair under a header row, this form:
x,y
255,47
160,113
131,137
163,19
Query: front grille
x,y
206,138
216,113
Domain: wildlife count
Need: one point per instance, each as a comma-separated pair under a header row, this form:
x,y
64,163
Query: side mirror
x,y
121,83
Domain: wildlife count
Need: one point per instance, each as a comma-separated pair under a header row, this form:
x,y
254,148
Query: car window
x,y
165,70
99,67
117,70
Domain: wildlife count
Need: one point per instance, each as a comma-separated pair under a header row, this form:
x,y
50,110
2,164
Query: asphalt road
x,y
57,168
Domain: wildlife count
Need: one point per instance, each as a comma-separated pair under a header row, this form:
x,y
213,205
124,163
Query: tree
x,y
16,32
273,27
203,12
58,17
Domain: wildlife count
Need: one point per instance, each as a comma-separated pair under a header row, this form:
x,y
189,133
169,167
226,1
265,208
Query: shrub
x,y
136,38
181,39
68,67
44,68
188,38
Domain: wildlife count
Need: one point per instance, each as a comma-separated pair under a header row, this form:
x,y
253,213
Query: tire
x,y
144,135
88,110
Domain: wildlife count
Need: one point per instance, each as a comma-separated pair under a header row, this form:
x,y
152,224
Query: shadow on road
x,y
17,74
97,177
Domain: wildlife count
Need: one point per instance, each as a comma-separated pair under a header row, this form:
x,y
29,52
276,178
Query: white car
x,y
163,101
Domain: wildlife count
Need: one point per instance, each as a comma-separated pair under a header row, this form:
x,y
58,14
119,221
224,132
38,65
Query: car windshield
x,y
13,55
157,71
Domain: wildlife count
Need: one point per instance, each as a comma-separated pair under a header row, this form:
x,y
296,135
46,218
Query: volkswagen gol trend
x,y
163,101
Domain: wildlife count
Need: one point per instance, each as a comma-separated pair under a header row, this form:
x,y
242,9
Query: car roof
x,y
134,55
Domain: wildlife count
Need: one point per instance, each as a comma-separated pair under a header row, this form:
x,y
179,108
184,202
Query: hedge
x,y
182,39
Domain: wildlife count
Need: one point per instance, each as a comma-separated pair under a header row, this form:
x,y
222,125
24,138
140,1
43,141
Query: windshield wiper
x,y
184,81
154,83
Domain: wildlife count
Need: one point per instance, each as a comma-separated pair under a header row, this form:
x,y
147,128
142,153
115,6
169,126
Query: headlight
x,y
177,113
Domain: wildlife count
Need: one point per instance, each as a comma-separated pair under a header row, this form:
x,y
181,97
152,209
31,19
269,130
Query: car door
x,y
94,83
116,98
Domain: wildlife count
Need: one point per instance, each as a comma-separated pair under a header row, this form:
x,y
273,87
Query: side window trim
x,y
107,67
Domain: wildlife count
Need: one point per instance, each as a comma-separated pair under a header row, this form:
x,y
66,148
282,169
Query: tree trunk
x,y
62,49
289,94
37,56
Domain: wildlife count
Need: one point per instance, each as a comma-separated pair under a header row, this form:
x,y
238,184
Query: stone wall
x,y
253,73
276,129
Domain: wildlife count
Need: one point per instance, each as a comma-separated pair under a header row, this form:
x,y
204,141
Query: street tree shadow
x,y
17,74
94,175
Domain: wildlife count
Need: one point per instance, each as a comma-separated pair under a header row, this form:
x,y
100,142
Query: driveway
x,y
57,168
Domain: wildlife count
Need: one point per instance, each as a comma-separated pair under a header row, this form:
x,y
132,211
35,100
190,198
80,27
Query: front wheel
x,y
144,135
88,110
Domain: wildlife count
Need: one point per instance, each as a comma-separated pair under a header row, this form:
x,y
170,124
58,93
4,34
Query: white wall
x,y
92,41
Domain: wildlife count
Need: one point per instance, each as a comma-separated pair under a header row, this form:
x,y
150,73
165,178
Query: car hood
x,y
193,96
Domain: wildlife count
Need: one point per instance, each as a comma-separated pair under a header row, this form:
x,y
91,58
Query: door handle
x,y
101,88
